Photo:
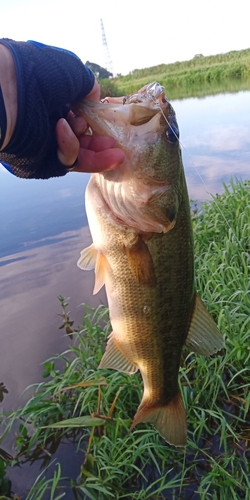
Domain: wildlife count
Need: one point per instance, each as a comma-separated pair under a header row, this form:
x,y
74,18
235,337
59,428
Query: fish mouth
x,y
149,93
108,118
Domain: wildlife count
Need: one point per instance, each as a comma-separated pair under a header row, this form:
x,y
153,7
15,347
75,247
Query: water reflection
x,y
215,141
33,210
209,88
6,261
29,287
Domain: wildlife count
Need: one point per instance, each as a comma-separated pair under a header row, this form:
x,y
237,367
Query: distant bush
x,y
181,75
108,88
98,71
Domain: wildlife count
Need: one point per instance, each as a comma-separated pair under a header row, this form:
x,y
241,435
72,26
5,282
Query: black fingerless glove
x,y
48,79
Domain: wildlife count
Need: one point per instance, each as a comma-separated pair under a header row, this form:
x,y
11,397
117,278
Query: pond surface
x,y
43,228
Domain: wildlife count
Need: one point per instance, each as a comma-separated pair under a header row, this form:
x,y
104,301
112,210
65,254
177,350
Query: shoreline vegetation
x,y
200,76
94,408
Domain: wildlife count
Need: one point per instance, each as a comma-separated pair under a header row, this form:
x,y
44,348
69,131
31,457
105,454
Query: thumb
x,y
68,144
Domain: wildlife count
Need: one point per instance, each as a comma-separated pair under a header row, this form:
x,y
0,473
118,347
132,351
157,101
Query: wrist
x,y
95,93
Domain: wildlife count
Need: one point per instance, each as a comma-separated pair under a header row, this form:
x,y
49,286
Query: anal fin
x,y
203,337
169,420
113,358
141,263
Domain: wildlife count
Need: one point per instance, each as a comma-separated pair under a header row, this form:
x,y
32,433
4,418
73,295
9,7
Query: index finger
x,y
113,100
91,161
96,142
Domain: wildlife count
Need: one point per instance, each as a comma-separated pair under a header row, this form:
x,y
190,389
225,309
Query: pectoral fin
x,y
141,263
113,358
101,272
203,337
88,258
91,258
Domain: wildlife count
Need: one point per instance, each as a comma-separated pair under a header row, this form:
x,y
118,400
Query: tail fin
x,y
169,420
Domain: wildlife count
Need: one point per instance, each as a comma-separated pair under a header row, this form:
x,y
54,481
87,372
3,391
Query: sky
x,y
138,34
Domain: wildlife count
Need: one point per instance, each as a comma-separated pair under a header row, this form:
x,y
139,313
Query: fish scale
x,y
142,252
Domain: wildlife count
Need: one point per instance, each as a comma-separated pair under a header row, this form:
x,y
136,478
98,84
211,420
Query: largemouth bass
x,y
139,218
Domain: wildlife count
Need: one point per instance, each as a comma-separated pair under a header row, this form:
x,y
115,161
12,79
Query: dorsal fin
x,y
203,337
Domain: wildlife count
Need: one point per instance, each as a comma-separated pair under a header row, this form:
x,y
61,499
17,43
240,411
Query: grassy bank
x,y
178,78
95,408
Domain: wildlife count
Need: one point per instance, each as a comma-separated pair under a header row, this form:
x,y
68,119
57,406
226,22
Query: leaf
x,y
89,383
86,421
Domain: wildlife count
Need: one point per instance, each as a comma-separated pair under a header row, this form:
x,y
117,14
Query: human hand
x,y
48,143
93,153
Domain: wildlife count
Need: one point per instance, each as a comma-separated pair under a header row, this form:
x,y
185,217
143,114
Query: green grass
x,y
98,406
196,77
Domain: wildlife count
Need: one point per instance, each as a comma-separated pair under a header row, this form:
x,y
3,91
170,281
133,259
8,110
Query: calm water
x,y
43,229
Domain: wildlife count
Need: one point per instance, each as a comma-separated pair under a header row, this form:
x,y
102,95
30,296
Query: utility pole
x,y
108,62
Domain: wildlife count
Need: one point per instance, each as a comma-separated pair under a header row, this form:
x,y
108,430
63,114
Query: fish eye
x,y
172,134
